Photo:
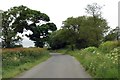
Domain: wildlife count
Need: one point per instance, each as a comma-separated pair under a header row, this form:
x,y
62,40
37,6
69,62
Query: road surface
x,y
58,66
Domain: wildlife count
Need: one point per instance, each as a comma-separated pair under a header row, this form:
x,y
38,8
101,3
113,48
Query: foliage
x,y
98,64
8,34
94,9
41,34
58,39
13,58
18,19
114,34
109,45
90,49
80,32
99,24
61,39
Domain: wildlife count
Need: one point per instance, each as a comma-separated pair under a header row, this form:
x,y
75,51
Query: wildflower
x,y
104,67
111,57
116,59
116,56
113,62
98,53
15,58
108,57
93,51
113,53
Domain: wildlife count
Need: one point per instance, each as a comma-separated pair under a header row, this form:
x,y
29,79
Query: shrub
x,y
90,49
108,46
100,65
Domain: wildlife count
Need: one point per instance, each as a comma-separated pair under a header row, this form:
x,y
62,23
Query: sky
x,y
60,10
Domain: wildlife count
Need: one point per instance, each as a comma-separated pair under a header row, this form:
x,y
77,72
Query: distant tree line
x,y
83,31
76,32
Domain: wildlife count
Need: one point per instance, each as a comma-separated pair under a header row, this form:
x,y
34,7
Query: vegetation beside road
x,y
17,60
86,37
101,62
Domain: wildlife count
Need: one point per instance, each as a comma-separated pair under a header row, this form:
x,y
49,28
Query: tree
x,y
82,31
41,34
72,25
22,18
9,37
85,31
95,10
97,29
1,22
58,39
114,34
62,39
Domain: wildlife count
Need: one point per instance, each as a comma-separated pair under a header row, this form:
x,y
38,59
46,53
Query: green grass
x,y
18,60
16,71
98,62
99,65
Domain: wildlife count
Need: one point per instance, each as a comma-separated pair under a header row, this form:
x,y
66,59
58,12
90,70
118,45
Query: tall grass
x,y
100,62
20,59
108,46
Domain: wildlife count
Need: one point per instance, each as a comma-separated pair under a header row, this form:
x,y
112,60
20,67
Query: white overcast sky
x,y
60,10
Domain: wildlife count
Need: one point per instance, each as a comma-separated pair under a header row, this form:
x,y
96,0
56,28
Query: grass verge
x,y
16,61
98,63
16,71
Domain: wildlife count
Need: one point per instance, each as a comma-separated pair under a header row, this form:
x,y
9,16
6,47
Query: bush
x,y
97,64
108,46
90,49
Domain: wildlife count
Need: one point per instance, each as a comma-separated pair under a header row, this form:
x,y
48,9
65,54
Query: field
x,y
17,60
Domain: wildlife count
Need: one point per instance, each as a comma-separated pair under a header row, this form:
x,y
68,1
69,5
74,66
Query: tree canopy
x,y
18,19
76,32
82,31
114,34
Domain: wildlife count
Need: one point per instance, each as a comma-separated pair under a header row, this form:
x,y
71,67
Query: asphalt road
x,y
58,66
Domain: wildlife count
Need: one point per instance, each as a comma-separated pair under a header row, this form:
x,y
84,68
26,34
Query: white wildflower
x,y
98,53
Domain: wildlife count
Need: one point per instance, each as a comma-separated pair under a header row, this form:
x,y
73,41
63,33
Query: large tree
x,y
72,25
94,9
9,37
41,34
63,38
87,34
58,39
18,19
82,31
99,24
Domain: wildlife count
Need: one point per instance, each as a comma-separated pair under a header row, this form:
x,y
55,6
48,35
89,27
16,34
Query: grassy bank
x,y
101,62
18,60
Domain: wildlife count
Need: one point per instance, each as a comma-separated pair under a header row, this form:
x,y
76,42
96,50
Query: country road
x,y
58,66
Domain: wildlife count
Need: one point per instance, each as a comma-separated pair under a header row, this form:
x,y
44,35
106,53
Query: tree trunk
x,y
72,47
